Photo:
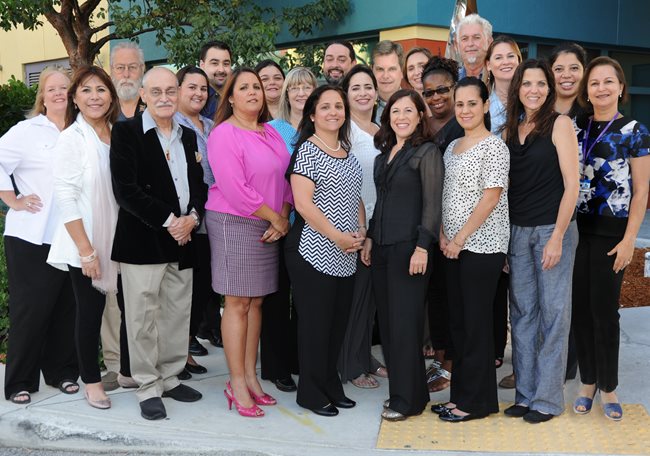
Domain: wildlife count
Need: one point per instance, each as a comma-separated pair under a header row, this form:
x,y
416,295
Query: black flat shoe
x,y
516,411
184,375
285,384
440,408
153,409
196,349
195,368
451,418
328,410
183,393
534,417
346,402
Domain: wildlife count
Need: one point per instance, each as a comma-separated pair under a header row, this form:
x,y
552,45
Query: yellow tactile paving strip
x,y
568,433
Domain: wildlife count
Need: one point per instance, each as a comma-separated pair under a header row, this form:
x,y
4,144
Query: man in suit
x,y
158,184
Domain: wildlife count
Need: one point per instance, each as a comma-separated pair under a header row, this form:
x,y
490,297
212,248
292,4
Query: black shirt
x,y
409,196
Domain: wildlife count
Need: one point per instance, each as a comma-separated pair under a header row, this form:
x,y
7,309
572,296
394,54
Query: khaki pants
x,y
110,334
157,301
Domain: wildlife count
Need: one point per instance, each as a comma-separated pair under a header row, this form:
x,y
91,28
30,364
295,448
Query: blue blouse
x,y
201,142
288,133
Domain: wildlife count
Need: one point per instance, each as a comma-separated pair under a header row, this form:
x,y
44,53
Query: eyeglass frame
x,y
428,93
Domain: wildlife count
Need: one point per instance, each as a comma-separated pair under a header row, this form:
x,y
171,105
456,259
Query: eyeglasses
x,y
157,93
301,88
440,91
133,68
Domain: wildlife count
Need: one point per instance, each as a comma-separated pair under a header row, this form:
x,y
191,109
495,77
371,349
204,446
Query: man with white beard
x,y
473,38
127,70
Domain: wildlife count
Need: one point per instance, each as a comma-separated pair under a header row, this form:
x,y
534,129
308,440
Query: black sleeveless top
x,y
536,185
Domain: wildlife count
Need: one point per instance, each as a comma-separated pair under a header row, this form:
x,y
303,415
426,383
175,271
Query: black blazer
x,y
409,196
145,192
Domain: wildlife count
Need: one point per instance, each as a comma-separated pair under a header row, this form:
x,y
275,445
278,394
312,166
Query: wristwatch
x,y
195,216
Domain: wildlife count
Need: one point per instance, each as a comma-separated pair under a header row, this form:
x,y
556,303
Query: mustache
x,y
164,105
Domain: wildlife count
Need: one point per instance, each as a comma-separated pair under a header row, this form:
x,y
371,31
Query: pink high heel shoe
x,y
264,399
248,412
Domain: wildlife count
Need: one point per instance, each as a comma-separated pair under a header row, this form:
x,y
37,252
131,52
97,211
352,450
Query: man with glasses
x,y
158,184
127,69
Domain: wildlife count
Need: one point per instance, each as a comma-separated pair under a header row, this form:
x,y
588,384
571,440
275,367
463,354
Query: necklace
x,y
325,144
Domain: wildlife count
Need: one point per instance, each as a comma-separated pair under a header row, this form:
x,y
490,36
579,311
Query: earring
x,y
620,95
588,100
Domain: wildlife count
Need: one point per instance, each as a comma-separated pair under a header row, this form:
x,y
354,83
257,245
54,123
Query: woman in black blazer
x,y
405,224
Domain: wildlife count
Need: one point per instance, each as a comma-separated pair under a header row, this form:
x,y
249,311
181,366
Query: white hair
x,y
127,45
475,19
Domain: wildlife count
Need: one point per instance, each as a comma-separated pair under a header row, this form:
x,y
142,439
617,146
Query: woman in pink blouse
x,y
247,213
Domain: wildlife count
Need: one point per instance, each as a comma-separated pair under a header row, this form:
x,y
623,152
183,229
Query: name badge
x,y
585,185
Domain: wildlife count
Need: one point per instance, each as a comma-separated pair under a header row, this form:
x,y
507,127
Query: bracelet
x,y
421,250
195,216
90,258
454,242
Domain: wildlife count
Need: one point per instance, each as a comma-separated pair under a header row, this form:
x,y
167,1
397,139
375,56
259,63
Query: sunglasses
x,y
440,91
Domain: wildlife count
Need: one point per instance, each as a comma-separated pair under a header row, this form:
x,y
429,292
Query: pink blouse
x,y
248,168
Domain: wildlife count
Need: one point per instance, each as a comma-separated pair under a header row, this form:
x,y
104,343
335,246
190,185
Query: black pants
x,y
500,320
400,300
323,304
125,364
595,319
437,306
90,308
206,304
279,337
472,282
41,317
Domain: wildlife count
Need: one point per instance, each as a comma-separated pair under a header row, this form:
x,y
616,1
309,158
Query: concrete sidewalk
x,y
643,238
57,421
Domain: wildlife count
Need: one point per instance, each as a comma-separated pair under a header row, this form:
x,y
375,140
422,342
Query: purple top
x,y
248,168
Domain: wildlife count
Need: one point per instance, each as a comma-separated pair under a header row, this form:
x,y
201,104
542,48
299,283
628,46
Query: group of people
x,y
412,187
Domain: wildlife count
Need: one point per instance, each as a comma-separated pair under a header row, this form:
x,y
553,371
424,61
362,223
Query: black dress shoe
x,y
195,368
328,410
346,402
183,393
184,375
516,411
196,349
285,384
440,408
450,417
534,417
153,409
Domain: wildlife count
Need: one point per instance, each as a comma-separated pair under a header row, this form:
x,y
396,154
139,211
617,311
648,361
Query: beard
x,y
331,80
128,91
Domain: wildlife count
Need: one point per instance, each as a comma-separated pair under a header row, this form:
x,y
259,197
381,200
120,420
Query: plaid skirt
x,y
242,265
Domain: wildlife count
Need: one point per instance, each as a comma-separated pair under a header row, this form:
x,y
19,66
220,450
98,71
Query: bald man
x,y
158,184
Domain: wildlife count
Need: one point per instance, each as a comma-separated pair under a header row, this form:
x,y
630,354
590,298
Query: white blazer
x,y
27,152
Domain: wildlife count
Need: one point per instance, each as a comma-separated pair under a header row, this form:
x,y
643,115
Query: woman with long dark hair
x,y
542,195
321,248
404,226
247,213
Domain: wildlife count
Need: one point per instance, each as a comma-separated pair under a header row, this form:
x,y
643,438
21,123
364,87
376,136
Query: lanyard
x,y
587,150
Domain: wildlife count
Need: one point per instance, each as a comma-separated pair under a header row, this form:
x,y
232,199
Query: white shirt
x,y
363,148
482,166
26,151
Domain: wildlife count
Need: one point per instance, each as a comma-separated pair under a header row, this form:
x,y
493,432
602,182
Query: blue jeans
x,y
540,315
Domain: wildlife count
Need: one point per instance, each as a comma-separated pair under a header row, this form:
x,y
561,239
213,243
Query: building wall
x,y
20,47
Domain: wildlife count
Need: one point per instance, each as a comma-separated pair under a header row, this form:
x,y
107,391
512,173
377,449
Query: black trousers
x,y
323,304
205,302
472,283
400,300
41,318
125,364
279,337
90,308
500,320
595,318
205,315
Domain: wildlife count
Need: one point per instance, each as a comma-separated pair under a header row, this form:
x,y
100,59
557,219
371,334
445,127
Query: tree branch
x,y
99,28
88,7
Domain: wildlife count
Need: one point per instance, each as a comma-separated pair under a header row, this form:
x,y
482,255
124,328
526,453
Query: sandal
x,y
613,411
498,362
25,394
428,351
68,387
365,381
439,384
381,372
582,405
